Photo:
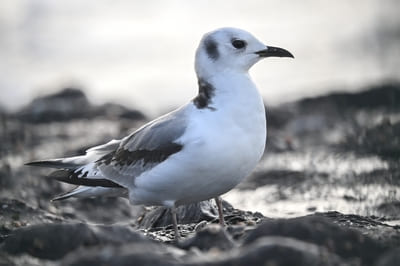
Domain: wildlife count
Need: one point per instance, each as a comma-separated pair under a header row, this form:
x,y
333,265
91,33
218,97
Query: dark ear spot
x,y
211,49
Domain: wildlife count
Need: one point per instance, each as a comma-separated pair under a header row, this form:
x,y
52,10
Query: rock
x,y
71,103
382,139
158,222
391,209
4,260
265,251
100,210
385,96
54,241
13,137
279,251
347,243
15,214
337,118
197,212
372,227
144,253
113,110
186,214
6,180
26,260
390,258
65,105
214,234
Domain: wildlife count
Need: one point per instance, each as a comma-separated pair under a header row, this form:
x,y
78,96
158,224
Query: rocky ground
x,y
327,192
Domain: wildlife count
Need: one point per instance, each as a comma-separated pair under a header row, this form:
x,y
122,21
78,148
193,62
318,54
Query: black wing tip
x,y
53,163
72,177
34,163
39,163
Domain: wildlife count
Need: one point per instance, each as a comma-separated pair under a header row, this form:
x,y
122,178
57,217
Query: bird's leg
x,y
218,201
175,222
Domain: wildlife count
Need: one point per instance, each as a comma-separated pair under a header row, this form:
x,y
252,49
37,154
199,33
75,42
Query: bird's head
x,y
231,49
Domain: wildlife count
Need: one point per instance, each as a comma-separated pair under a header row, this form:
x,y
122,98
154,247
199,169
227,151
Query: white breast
x,y
222,145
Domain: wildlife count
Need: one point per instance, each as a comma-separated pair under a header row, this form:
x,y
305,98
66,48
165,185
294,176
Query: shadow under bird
x,y
194,153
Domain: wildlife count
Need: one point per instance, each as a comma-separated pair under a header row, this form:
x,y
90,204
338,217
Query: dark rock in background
x,y
5,174
371,227
386,96
349,115
390,258
15,214
68,104
115,110
54,241
280,251
390,208
136,253
211,234
382,139
71,103
347,243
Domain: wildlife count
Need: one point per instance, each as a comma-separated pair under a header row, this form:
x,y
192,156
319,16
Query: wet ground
x,y
332,153
327,191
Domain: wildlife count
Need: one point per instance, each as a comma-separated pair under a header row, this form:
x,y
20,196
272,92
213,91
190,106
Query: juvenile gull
x,y
197,152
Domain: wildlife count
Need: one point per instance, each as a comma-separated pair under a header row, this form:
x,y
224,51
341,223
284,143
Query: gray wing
x,y
143,149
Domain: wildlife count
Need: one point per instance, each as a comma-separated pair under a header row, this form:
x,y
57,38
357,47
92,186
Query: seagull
x,y
194,153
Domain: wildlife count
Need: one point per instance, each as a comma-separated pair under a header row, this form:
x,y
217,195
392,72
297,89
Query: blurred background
x,y
75,74
141,53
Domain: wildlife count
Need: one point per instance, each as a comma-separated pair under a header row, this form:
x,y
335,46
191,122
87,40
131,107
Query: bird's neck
x,y
231,100
227,88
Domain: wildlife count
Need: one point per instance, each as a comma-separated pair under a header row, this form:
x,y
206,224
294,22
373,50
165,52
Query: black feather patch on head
x,y
204,98
211,48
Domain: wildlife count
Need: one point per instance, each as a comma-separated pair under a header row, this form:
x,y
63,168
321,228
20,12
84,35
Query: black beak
x,y
274,52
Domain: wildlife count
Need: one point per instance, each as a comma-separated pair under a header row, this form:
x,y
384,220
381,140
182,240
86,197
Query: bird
x,y
197,152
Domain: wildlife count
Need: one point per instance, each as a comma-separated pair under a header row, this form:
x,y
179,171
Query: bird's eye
x,y
238,44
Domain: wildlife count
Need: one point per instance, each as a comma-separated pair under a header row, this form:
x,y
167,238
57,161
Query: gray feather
x,y
144,148
157,133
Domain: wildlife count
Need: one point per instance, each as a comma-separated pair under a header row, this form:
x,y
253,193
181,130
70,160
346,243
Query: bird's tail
x,y
89,181
60,163
82,171
75,162
86,192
